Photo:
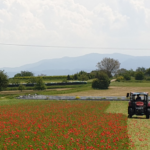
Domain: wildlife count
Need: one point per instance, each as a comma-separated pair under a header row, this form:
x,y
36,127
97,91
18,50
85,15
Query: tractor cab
x,y
138,104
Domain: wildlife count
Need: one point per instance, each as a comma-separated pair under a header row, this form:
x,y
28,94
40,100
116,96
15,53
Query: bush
x,y
31,80
120,78
83,77
40,85
148,78
14,81
21,87
64,81
3,80
127,77
102,81
139,75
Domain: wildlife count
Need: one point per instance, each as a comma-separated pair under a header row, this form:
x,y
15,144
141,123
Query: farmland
x,y
61,125
72,124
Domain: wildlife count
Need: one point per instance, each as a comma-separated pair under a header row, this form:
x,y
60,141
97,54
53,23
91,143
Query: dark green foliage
x,y
141,69
44,77
40,85
147,72
21,87
83,77
148,78
17,75
3,80
31,80
139,75
64,81
127,76
14,81
82,72
24,74
68,77
102,81
131,72
75,76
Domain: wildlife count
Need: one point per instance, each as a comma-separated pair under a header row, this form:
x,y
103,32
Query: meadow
x,y
51,125
73,125
37,125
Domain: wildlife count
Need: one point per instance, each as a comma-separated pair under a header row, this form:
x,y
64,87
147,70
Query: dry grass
x,y
138,127
112,91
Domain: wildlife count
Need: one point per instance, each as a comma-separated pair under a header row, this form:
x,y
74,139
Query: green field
x,y
131,84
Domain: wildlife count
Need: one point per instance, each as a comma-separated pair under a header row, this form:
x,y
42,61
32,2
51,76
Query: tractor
x,y
138,104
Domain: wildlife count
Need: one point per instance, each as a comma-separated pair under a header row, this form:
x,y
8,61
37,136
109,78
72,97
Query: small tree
x,y
40,85
109,66
139,75
3,80
83,77
75,76
68,77
102,81
21,87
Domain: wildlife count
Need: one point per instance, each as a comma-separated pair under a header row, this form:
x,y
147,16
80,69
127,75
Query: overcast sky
x,y
75,23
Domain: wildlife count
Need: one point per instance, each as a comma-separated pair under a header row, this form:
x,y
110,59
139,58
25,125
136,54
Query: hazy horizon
x,y
60,58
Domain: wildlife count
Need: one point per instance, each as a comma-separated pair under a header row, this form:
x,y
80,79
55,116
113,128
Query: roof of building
x,y
139,93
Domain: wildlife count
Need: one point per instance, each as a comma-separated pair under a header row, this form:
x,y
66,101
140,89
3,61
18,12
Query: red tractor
x,y
138,104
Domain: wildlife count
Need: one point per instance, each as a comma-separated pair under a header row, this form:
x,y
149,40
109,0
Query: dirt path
x,y
113,80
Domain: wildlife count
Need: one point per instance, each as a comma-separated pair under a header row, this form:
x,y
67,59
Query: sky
x,y
72,23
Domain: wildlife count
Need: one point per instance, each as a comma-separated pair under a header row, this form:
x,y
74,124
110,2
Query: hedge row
x,y
44,77
49,84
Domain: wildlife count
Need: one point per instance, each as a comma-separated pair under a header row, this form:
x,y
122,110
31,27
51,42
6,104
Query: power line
x,y
74,47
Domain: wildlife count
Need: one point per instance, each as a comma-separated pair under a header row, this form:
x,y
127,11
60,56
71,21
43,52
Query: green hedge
x,y
44,77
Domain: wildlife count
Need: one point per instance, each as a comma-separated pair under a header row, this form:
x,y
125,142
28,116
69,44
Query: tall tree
x,y
147,72
141,69
3,80
109,66
121,71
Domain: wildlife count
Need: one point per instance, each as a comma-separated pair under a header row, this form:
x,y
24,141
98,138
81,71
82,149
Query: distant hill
x,y
71,65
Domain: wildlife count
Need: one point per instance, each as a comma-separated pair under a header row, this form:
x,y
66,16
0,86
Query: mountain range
x,y
71,65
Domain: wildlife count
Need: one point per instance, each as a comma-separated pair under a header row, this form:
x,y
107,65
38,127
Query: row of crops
x,y
44,77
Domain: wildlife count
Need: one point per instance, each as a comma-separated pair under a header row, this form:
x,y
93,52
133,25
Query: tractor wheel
x,y
130,112
147,113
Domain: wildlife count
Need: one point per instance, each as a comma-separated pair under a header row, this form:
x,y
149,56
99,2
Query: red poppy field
x,y
64,125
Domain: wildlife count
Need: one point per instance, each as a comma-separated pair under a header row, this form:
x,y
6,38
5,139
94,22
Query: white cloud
x,y
96,23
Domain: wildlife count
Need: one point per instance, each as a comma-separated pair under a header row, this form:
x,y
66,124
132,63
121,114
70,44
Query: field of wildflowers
x,y
64,125
138,127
